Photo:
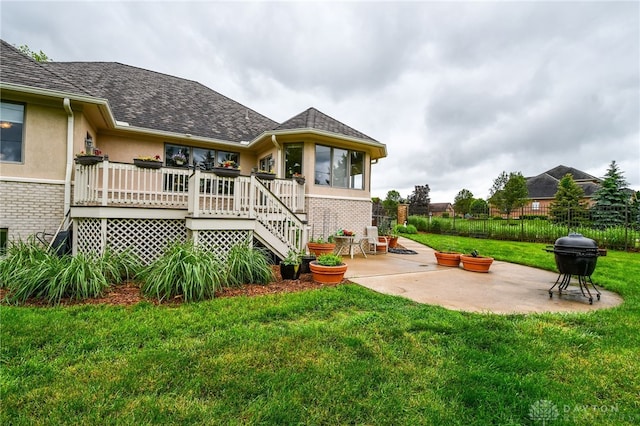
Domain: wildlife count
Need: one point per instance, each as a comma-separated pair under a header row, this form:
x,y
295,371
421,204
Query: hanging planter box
x,y
89,160
226,171
265,176
147,164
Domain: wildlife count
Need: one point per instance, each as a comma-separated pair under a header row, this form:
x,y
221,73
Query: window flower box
x,y
226,171
147,164
264,175
88,160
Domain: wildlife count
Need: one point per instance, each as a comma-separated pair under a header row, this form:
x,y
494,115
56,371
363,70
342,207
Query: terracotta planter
x,y
226,171
382,240
317,249
327,274
290,272
393,242
447,259
476,264
89,160
147,164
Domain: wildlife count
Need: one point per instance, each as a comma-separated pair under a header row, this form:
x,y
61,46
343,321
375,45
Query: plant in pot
x,y
392,238
328,269
179,158
448,257
89,158
290,266
148,162
476,263
321,246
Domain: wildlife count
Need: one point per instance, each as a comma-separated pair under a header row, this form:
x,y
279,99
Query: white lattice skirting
x,y
148,238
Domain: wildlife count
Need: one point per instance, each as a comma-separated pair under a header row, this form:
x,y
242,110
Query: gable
x,y
316,120
545,185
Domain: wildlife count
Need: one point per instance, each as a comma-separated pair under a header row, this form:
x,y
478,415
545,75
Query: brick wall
x,y
27,208
327,215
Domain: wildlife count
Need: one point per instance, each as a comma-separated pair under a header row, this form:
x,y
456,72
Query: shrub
x,y
183,271
329,259
409,229
118,267
420,222
246,264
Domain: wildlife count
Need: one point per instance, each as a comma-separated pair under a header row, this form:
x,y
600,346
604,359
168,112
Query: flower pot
x,y
290,272
327,274
382,240
304,267
447,259
179,162
147,164
393,242
476,264
89,160
265,176
226,171
317,249
300,180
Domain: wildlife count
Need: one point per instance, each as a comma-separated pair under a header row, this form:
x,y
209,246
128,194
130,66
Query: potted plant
x,y
319,246
328,269
147,162
227,168
448,257
299,178
87,159
179,158
290,266
476,263
392,238
265,174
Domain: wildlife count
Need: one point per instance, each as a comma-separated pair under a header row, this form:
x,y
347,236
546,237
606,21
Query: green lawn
x,y
342,355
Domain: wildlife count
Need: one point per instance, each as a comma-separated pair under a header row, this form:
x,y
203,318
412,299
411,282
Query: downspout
x,y
278,153
67,178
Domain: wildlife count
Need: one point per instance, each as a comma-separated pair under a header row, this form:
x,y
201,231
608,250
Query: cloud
x,y
458,91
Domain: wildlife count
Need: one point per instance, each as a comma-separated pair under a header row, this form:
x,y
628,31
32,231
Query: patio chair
x,y
374,241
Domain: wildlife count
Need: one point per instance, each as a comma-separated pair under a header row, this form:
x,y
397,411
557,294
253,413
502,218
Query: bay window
x,y
339,168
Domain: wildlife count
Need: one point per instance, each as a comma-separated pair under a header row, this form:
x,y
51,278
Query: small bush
x,y
409,229
247,265
183,271
329,259
420,222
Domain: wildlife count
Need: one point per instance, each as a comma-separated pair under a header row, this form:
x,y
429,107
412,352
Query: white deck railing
x,y
117,184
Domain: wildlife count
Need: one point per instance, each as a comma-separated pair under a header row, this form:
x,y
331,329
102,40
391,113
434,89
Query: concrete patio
x,y
506,289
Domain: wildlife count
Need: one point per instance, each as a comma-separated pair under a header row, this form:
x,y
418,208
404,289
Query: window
x,y
266,164
11,126
293,159
4,233
207,158
535,205
339,168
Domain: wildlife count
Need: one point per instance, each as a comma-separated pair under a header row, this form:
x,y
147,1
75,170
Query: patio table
x,y
349,241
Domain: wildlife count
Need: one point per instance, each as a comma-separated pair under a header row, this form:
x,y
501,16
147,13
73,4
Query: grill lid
x,y
575,241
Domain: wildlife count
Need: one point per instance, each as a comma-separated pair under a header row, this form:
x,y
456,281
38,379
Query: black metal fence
x,y
616,228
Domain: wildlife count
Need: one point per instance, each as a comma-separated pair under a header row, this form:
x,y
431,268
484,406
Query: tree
x,y
390,203
479,207
37,56
419,200
568,206
462,202
611,199
509,192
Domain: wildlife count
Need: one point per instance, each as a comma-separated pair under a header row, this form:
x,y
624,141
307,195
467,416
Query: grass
x,y
339,355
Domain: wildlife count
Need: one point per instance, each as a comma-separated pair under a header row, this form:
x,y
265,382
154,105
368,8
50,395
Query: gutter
x,y
66,103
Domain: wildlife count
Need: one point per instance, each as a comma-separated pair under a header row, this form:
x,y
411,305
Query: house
x,y
543,187
441,209
54,110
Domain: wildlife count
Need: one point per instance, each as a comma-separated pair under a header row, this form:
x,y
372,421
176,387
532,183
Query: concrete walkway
x,y
507,288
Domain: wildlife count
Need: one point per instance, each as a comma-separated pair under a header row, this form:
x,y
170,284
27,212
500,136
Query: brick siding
x,y
327,215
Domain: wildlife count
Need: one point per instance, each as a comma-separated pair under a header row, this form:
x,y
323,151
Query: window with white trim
x,y
339,168
11,132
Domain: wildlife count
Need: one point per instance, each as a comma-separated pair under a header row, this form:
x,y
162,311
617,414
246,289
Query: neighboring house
x,y
543,187
52,111
439,209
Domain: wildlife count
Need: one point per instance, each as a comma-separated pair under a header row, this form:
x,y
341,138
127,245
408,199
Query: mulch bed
x,y
129,293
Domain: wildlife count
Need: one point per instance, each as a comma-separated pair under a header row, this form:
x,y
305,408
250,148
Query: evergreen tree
x,y
568,207
611,199
462,202
419,200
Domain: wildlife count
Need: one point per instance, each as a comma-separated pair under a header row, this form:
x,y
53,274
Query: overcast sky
x,y
458,91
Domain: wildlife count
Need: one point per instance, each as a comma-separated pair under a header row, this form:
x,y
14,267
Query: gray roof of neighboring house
x,y
545,185
440,207
314,119
17,68
157,101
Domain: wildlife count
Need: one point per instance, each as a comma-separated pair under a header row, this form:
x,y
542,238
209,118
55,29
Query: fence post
x,y
521,223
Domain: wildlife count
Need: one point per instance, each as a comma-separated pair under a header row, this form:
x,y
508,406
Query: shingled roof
x,y
545,185
159,101
17,68
314,119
